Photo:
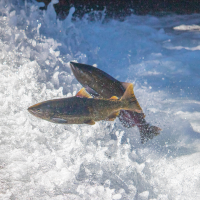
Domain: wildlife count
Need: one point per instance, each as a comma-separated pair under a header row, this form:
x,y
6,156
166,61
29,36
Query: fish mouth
x,y
78,68
35,113
74,66
31,110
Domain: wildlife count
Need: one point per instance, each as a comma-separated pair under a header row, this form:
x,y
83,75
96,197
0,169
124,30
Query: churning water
x,y
42,160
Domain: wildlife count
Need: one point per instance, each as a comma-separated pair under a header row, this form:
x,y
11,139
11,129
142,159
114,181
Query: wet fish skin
x,y
77,110
66,110
93,78
97,82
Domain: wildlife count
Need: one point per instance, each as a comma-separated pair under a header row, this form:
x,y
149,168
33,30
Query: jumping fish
x,y
101,85
97,82
83,109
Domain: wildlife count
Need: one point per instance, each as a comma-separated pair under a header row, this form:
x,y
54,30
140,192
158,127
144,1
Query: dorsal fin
x,y
114,98
125,84
130,96
83,94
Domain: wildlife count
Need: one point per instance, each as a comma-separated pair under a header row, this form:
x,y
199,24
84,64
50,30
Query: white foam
x,y
42,160
192,117
187,27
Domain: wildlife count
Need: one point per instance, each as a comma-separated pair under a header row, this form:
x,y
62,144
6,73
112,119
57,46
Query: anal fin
x,y
90,122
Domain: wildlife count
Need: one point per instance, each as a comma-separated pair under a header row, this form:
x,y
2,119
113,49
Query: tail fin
x,y
133,103
147,132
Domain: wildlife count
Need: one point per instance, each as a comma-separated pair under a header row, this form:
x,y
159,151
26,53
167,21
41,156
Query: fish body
x,y
102,85
97,82
84,109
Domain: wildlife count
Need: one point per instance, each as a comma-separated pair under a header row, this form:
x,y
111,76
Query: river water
x,y
42,160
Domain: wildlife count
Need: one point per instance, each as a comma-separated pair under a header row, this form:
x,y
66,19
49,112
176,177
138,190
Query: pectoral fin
x,y
113,116
90,90
59,120
83,94
90,122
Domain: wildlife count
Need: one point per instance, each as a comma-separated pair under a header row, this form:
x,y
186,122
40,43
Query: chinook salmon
x,y
83,109
101,85
97,82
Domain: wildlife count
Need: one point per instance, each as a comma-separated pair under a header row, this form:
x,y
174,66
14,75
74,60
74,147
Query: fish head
x,y
87,73
87,76
41,110
83,73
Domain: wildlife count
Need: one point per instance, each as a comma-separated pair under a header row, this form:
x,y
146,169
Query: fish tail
x,y
130,100
148,132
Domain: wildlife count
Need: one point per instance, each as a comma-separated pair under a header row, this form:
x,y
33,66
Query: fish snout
x,y
74,66
32,110
36,110
79,69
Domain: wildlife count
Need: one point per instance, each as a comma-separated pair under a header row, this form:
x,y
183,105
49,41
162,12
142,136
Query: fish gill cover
x,y
40,160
